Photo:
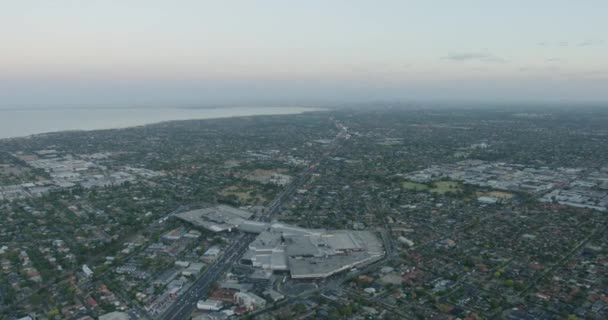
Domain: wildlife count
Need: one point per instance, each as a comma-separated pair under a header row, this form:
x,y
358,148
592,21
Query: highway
x,y
186,302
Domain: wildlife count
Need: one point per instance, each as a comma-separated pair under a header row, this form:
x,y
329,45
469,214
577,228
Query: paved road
x,y
186,302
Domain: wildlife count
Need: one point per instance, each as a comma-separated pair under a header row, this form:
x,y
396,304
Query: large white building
x,y
209,305
305,253
87,271
311,253
249,300
216,218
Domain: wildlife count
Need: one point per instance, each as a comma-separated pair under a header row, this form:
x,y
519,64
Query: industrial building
x,y
216,218
249,300
311,253
209,305
304,253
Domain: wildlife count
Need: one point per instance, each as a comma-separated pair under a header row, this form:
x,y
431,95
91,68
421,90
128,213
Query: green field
x,y
413,186
442,187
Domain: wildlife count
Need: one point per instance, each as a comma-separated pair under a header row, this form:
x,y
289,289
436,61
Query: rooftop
x,y
216,218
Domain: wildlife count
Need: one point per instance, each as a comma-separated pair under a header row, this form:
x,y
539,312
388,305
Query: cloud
x,y
590,43
585,43
592,74
474,56
554,44
536,69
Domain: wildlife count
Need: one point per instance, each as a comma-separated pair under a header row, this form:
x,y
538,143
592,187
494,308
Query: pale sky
x,y
152,52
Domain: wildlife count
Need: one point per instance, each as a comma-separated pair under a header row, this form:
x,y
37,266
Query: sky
x,y
226,52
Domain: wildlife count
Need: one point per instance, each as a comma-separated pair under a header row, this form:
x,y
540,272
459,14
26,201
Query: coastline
x,y
195,113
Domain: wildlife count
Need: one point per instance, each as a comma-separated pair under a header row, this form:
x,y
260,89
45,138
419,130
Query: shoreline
x,y
300,110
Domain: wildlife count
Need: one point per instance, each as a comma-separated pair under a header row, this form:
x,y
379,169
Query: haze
x,y
116,53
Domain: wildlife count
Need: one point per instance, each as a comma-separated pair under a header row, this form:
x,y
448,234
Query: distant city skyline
x,y
138,53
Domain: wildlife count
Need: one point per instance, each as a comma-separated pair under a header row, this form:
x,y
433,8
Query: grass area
x,y
442,187
413,186
439,187
496,194
243,195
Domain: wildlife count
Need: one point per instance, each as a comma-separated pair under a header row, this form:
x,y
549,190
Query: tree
x,y
299,308
53,313
444,308
346,310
